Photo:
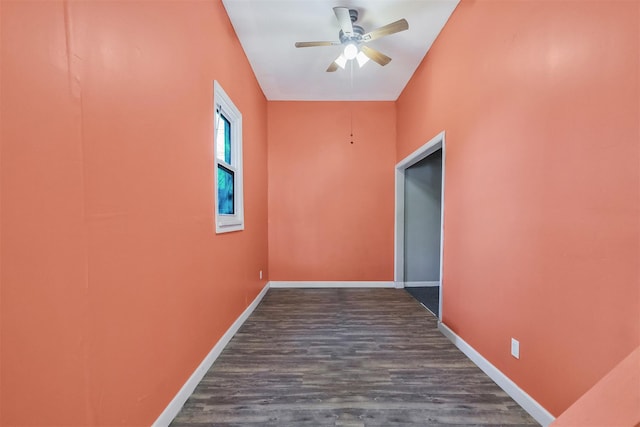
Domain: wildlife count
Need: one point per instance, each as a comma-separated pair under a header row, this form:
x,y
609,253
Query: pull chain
x,y
351,106
352,124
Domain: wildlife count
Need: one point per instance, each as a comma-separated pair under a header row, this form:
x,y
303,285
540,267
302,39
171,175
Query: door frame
x,y
437,142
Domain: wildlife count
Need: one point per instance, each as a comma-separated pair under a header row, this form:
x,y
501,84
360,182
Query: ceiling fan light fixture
x,y
341,61
350,51
362,59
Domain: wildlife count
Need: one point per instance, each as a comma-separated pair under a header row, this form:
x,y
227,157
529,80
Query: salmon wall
x,y
330,201
613,401
539,101
114,285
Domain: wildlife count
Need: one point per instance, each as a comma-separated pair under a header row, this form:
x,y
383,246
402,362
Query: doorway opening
x,y
419,223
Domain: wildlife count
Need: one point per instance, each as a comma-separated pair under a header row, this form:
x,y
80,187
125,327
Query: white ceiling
x,y
268,29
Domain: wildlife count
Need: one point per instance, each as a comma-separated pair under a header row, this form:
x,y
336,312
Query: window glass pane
x,y
225,191
227,140
223,138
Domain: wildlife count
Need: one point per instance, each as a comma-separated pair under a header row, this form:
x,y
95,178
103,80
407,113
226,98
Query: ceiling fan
x,y
353,38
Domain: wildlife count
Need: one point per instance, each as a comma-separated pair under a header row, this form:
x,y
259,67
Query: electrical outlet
x,y
260,274
515,348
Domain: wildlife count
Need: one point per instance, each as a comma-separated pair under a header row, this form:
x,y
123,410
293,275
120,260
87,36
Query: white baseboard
x,y
527,402
421,284
187,389
347,284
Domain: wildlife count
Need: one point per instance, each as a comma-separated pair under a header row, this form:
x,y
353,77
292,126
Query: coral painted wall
x,y
613,401
540,103
114,286
331,202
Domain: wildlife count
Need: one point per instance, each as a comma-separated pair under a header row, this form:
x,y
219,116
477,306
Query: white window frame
x,y
221,102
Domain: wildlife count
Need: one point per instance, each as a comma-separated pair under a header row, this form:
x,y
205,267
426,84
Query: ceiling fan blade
x,y
375,55
344,19
314,44
333,67
394,27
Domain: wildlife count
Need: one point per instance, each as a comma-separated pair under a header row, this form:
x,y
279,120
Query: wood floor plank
x,y
345,357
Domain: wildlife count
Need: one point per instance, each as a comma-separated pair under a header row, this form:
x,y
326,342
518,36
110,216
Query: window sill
x,y
228,228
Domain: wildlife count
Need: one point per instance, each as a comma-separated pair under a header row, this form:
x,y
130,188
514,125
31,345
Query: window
x,y
227,144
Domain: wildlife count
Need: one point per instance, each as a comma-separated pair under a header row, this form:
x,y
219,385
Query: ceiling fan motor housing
x,y
358,32
353,14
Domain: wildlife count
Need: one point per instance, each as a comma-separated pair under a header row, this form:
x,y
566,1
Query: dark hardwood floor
x,y
345,357
429,296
